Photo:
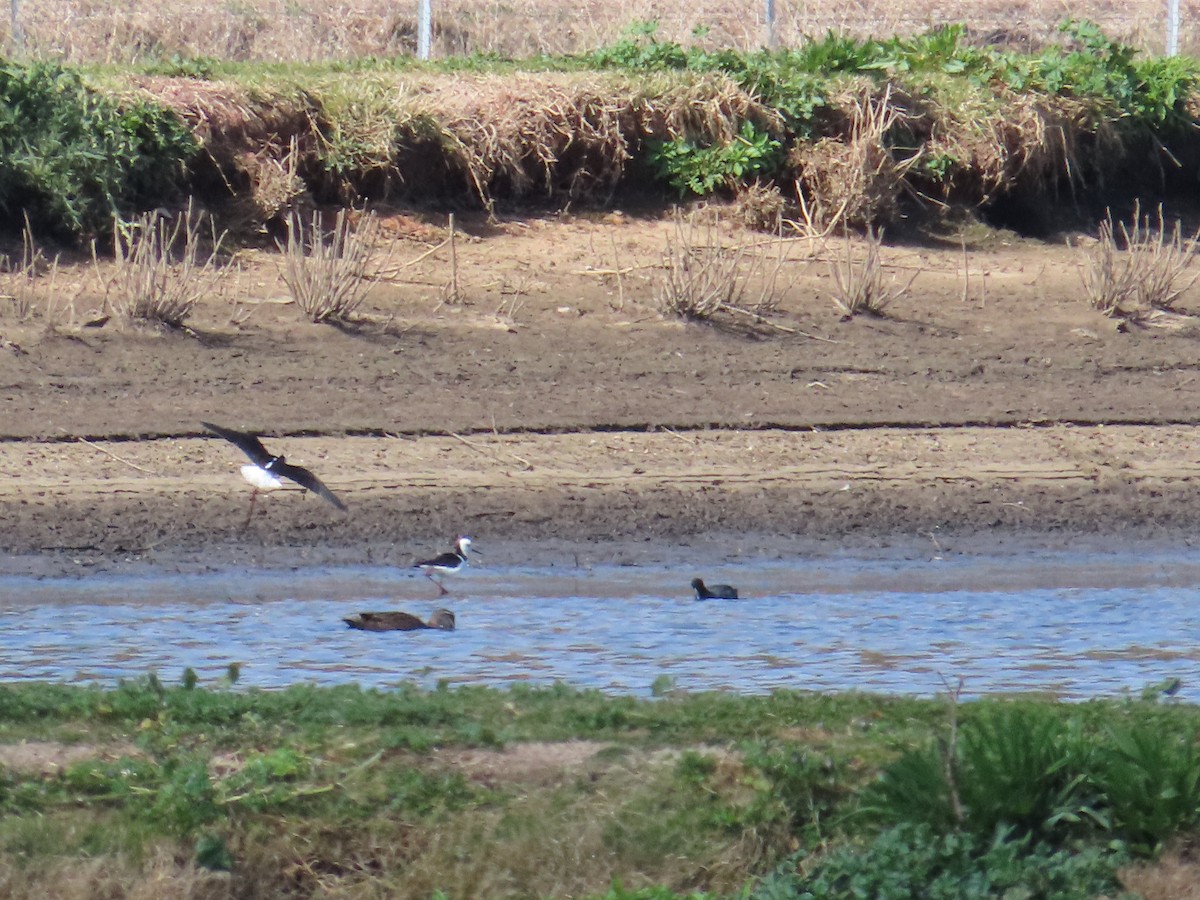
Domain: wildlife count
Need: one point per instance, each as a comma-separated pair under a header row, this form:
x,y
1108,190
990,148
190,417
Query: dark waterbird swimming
x,y
266,469
400,621
716,592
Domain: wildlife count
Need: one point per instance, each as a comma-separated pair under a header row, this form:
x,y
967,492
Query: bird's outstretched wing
x,y
307,479
244,441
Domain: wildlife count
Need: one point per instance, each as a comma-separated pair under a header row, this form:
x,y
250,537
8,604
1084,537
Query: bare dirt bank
x,y
554,404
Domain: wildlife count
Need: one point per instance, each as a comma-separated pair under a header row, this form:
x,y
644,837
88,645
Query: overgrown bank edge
x,y
542,792
850,132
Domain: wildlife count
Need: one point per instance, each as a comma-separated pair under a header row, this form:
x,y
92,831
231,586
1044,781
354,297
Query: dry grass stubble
x,y
568,137
861,285
1143,271
306,30
30,284
164,265
326,267
703,274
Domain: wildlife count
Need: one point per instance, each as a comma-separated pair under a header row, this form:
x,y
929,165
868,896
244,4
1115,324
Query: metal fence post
x,y
424,28
16,33
1172,27
769,15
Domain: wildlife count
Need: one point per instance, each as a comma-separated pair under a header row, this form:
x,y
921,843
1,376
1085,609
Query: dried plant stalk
x,y
702,276
326,269
164,265
860,286
32,278
1149,274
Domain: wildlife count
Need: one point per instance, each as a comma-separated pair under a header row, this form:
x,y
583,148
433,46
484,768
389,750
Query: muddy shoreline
x,y
621,497
555,408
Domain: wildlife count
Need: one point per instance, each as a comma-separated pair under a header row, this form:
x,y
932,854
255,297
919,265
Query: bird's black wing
x,y
307,479
244,441
446,560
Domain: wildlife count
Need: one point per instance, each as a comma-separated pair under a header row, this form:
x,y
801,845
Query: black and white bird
x,y
716,592
447,563
266,471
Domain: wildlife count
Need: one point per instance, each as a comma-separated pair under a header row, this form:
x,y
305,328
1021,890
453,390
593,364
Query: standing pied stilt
x,y
266,471
448,563
716,592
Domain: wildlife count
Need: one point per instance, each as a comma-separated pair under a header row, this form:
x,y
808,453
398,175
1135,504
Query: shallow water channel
x,y
1075,625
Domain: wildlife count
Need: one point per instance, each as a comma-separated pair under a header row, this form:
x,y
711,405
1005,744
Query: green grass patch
x,y
72,158
554,791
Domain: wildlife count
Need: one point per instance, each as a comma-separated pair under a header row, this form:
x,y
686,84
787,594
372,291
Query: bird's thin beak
x,y
473,550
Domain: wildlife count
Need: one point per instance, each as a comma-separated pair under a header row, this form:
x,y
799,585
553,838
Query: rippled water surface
x,y
1074,625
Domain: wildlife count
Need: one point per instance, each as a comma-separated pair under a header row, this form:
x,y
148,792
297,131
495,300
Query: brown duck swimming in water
x,y
716,592
400,621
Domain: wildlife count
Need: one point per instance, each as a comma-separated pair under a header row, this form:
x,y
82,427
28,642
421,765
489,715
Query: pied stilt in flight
x,y
447,563
266,470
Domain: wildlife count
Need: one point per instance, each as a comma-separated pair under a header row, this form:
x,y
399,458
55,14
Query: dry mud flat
x,y
555,406
760,493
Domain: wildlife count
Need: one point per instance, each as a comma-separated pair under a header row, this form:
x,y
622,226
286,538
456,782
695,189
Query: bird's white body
x,y
261,478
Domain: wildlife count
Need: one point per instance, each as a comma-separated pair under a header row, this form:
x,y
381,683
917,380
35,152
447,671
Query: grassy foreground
x,y
146,790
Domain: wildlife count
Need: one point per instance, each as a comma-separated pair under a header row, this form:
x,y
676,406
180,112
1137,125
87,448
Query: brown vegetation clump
x,y
255,144
996,145
860,285
29,283
164,265
563,138
709,108
855,179
760,207
325,267
703,274
567,137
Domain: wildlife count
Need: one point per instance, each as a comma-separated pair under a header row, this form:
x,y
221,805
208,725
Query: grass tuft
x,y
860,286
704,275
164,265
32,282
326,268
1136,268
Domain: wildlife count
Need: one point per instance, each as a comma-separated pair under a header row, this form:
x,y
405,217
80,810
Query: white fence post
x,y
16,33
424,28
769,15
1172,27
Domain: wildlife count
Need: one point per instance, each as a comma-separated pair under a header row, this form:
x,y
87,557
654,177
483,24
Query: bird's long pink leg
x,y
250,513
440,587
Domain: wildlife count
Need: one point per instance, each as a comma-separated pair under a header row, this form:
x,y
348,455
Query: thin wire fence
x,y
312,30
